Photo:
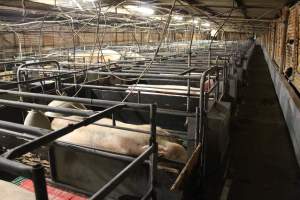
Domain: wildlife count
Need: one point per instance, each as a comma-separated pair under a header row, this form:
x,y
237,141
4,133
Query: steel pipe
x,y
67,111
23,129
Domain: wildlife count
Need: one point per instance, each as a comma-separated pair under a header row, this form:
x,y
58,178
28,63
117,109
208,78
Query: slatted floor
x,y
263,165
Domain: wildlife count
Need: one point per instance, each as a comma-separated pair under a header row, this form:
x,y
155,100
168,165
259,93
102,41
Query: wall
x,y
44,38
281,50
34,41
282,43
289,102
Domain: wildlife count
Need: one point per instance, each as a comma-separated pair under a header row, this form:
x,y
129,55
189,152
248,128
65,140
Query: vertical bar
x,y
188,98
39,182
224,78
197,133
153,157
206,97
218,84
113,117
202,112
139,96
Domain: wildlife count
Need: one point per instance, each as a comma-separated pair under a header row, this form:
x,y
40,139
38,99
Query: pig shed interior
x,y
155,99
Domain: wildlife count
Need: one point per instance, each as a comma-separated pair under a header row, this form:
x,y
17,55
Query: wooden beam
x,y
204,8
243,8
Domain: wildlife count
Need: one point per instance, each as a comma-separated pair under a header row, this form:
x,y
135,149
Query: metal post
x,y
218,84
188,99
197,131
113,119
153,157
139,96
39,182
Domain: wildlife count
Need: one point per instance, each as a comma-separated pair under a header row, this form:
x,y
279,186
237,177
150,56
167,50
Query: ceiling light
x,y
142,10
194,21
213,32
206,24
77,4
177,17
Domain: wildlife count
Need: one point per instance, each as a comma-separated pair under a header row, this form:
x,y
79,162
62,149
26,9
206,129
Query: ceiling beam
x,y
247,7
241,5
201,5
206,9
237,19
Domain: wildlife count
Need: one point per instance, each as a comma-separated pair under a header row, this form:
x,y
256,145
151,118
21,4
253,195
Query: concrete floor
x,y
263,165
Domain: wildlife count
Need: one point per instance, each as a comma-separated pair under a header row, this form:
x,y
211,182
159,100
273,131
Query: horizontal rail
x,y
87,101
67,111
22,128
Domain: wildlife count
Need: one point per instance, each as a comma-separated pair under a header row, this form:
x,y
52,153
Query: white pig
x,y
117,140
12,191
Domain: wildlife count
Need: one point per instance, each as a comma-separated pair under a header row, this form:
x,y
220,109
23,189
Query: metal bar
x,y
169,80
39,182
125,87
188,70
16,134
93,102
114,182
153,157
32,64
21,128
138,90
158,72
147,75
68,111
139,96
50,137
93,151
197,136
15,168
148,194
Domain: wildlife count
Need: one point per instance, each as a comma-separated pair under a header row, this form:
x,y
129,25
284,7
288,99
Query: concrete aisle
x,y
263,165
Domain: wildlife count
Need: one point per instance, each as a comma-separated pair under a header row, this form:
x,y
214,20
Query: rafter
x,y
241,5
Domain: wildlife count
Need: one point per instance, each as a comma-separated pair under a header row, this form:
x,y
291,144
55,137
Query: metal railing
x,y
40,138
208,97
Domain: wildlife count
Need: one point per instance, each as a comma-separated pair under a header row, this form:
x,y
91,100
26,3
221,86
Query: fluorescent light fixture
x,y
142,10
194,21
178,17
77,4
213,32
206,24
